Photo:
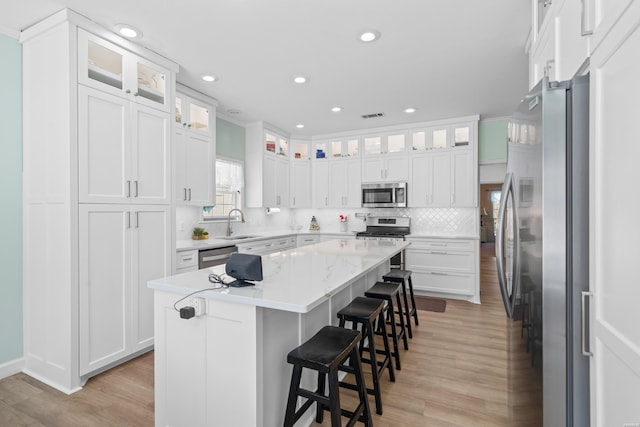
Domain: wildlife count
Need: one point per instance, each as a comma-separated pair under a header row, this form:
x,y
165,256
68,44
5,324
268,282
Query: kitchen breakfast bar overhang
x,y
228,367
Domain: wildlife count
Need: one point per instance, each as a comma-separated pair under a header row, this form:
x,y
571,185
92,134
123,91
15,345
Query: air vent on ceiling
x,y
371,116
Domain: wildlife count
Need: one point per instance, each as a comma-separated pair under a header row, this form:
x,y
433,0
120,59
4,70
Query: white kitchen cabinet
x,y
320,183
301,183
123,149
267,174
306,240
113,69
445,267
81,145
194,151
193,115
265,247
444,169
430,183
345,183
121,248
385,168
464,179
186,261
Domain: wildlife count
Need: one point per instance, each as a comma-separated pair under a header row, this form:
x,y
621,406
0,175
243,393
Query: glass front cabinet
x,y
110,68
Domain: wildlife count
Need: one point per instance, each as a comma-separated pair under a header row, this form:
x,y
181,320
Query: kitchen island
x,y
228,367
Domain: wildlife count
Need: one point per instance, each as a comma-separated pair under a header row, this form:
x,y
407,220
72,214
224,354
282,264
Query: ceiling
x,y
446,58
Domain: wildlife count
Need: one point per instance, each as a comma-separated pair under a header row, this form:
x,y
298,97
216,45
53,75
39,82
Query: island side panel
x,y
205,367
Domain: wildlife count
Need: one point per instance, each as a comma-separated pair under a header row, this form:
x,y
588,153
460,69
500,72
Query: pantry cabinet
x,y
194,150
121,248
123,150
97,184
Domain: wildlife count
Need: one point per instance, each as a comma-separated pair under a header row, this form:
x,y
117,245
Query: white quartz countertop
x,y
218,242
296,280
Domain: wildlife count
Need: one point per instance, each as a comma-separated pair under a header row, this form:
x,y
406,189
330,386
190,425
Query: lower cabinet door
x,y
121,248
151,247
105,279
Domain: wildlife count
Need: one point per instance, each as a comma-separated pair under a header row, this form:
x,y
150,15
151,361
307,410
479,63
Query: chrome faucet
x,y
229,220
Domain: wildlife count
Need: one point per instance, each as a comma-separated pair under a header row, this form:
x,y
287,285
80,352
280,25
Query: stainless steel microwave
x,y
384,195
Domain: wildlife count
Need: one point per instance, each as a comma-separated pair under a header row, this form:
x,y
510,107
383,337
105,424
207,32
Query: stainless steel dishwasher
x,y
216,256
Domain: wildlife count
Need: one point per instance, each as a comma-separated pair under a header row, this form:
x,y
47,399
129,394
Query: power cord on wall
x,y
188,312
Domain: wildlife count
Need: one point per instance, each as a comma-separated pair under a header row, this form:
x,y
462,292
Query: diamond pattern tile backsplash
x,y
440,221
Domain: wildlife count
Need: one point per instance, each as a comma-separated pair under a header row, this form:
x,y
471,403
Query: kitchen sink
x,y
236,237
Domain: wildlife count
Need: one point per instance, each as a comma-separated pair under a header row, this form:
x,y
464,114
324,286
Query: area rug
x,y
430,304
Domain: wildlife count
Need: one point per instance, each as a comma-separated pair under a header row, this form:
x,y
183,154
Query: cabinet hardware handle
x,y
127,91
135,93
137,220
325,200
439,253
583,334
136,187
189,194
294,200
268,245
189,125
187,259
128,188
185,194
128,219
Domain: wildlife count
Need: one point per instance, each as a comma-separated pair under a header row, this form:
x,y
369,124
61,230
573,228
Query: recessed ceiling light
x,y
410,110
299,125
369,36
336,109
300,79
128,31
210,78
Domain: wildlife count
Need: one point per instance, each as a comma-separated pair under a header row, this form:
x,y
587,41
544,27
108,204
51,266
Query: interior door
x,y
614,232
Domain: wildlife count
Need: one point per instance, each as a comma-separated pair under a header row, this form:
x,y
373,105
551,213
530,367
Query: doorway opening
x,y
489,206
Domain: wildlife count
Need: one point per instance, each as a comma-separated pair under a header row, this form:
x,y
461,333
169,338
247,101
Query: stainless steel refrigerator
x,y
542,248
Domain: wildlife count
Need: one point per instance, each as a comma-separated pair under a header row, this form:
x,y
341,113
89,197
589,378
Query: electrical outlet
x,y
198,304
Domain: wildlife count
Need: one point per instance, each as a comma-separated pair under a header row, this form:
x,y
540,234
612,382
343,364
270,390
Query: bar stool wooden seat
x,y
388,291
326,353
404,277
364,311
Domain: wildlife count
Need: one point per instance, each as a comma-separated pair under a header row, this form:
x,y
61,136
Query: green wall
x,y
492,139
229,140
11,196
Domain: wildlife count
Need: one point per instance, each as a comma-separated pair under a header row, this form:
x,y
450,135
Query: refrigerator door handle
x,y
507,196
585,318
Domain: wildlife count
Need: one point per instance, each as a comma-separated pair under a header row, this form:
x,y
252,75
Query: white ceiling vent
x,y
371,116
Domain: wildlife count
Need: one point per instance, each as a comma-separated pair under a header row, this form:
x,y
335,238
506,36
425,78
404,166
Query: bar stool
x,y
387,291
365,311
326,353
404,277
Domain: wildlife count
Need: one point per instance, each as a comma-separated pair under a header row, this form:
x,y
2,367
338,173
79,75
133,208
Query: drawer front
x,y
439,260
187,259
186,269
443,244
307,240
435,281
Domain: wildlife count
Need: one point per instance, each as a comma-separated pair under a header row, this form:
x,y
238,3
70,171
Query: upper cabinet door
x,y
110,68
193,116
104,141
123,150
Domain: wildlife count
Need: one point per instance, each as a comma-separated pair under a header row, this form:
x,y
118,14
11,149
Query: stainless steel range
x,y
387,228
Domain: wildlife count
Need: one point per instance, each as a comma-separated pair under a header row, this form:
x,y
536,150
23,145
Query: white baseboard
x,y
50,383
11,368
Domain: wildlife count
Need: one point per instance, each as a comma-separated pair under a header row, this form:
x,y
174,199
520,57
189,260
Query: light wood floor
x,y
454,374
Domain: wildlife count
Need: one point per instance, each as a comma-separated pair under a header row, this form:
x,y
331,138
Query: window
x,y
229,187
